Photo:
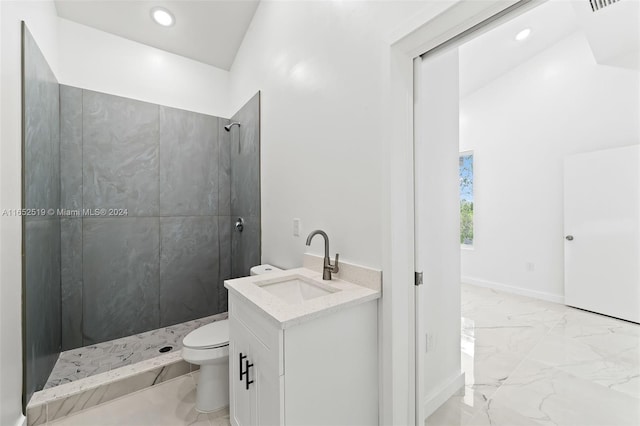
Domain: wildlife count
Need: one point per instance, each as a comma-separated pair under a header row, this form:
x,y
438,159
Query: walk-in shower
x,y
137,234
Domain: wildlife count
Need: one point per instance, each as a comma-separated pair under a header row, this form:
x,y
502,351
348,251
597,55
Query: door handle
x,y
569,237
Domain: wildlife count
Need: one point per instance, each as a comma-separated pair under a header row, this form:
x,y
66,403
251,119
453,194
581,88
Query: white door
x,y
601,224
437,231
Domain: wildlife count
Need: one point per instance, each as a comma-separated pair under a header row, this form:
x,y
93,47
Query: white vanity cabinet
x,y
320,371
255,365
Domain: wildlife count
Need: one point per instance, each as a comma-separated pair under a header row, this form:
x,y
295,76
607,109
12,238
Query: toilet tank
x,y
263,269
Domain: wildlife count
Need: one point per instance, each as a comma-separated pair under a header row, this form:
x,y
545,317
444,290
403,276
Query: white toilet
x,y
208,347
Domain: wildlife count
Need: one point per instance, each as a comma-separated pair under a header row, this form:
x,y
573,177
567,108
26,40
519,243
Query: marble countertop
x,y
286,315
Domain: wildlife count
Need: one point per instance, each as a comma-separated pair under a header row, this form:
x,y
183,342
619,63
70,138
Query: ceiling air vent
x,y
596,5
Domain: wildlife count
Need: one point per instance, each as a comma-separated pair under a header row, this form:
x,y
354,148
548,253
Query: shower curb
x,y
61,401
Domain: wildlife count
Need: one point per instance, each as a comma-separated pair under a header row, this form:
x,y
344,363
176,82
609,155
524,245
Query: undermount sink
x,y
294,289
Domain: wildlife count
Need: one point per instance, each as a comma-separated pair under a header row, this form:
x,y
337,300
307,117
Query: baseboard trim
x,y
549,297
435,399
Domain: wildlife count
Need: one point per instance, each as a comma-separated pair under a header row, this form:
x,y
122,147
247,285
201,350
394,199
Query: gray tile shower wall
x,y
71,147
165,261
41,128
120,272
189,268
245,160
189,163
41,233
224,229
42,307
71,282
224,220
71,226
245,187
224,171
245,246
120,154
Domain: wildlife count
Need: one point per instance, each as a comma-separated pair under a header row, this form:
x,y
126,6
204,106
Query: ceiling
x,y
490,55
209,31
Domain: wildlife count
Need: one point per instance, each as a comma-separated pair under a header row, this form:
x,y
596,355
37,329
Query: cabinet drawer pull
x,y
247,366
245,374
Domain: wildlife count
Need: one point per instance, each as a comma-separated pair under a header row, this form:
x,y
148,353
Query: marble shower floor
x,y
530,362
87,361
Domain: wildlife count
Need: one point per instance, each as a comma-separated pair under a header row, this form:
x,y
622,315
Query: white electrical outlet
x,y
531,266
296,227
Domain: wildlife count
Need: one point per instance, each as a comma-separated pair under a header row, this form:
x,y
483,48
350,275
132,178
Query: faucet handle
x,y
335,268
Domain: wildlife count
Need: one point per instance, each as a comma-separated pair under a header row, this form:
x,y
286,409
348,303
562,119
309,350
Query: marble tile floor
x,y
168,404
531,362
86,361
526,361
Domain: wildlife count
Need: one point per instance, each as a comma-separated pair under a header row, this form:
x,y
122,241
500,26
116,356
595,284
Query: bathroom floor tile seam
x,y
83,362
533,383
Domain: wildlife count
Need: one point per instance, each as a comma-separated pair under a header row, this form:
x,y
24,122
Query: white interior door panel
x,y
602,232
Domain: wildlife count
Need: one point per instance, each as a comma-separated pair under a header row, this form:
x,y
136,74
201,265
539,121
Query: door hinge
x,y
418,278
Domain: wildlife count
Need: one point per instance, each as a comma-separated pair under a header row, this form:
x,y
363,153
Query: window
x,y
466,198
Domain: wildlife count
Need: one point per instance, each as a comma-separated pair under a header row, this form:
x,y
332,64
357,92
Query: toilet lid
x,y
208,336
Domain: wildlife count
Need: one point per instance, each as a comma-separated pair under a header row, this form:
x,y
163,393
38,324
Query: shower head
x,y
230,125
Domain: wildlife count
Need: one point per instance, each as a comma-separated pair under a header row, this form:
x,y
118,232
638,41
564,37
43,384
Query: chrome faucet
x,y
328,268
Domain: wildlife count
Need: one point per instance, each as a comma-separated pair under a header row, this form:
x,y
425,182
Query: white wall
x,y
96,60
42,21
323,71
521,126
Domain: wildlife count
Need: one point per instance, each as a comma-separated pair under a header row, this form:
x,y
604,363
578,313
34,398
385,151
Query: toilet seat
x,y
210,336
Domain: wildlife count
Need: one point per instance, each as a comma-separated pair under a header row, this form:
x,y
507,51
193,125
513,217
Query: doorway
x,y
537,250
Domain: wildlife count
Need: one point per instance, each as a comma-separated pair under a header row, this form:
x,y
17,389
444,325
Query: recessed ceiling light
x,y
523,34
162,16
